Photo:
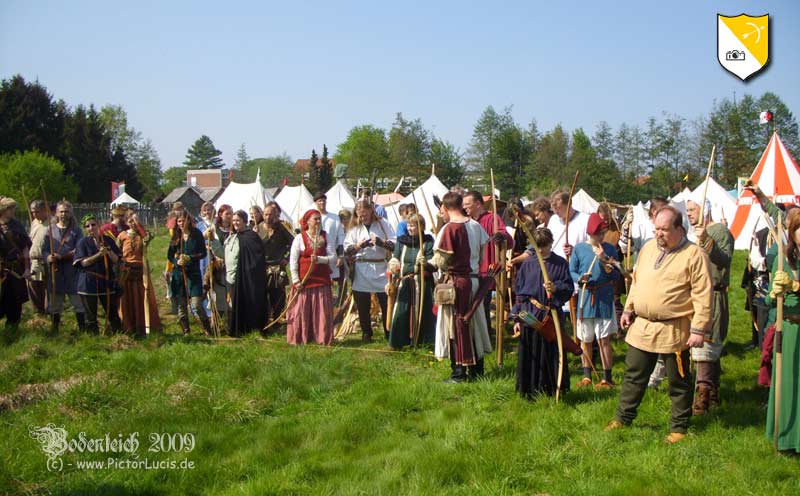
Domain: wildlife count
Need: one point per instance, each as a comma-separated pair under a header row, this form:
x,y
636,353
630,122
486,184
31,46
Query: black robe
x,y
537,360
249,306
12,244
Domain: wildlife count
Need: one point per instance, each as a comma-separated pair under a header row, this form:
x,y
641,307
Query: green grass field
x,y
268,418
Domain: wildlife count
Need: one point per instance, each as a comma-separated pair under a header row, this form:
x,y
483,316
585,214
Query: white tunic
x,y
333,229
577,231
370,266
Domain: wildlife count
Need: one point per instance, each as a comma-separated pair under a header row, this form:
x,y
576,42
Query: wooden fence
x,y
150,214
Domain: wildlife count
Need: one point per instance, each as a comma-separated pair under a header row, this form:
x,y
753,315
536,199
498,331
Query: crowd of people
x,y
239,272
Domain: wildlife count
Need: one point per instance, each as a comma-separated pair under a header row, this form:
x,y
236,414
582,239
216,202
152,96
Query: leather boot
x,y
55,321
458,374
476,371
81,318
700,405
713,396
185,326
206,326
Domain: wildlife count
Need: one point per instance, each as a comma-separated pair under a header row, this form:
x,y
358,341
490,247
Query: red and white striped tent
x,y
778,176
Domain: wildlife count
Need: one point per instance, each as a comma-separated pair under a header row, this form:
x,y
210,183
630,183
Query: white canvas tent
x,y
683,195
723,205
294,201
124,199
423,196
582,202
242,196
339,198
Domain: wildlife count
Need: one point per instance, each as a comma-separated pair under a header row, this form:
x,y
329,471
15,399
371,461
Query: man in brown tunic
x,y
667,312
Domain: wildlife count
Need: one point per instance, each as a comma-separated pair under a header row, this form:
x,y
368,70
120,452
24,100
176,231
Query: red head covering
x,y
596,224
306,216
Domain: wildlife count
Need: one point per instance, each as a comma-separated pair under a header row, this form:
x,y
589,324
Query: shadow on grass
x,y
740,350
106,488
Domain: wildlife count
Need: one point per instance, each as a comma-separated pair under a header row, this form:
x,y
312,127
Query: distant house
x,y
303,166
208,178
190,197
210,194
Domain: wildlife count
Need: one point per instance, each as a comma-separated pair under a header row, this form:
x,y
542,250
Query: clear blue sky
x,y
288,78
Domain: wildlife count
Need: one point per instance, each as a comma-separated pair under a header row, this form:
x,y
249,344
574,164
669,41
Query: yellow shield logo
x,y
743,44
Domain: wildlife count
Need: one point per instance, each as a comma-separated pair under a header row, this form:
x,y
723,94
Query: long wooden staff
x,y
294,292
421,272
705,188
778,340
499,260
212,293
53,265
27,206
628,260
107,274
434,230
553,311
572,301
146,282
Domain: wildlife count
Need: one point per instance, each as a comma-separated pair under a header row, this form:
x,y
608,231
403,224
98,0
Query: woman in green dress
x,y
787,283
186,248
404,267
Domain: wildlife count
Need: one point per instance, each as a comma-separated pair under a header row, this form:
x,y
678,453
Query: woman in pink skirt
x,y
310,319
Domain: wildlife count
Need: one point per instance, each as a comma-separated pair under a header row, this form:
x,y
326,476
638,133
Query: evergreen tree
x,y
311,174
241,158
148,171
324,173
122,169
29,119
203,155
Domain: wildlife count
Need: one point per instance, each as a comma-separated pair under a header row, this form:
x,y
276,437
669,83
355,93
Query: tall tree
x,y
115,124
500,145
603,141
241,158
148,171
88,153
312,170
324,173
203,155
409,148
29,119
448,161
599,176
550,166
122,169
366,148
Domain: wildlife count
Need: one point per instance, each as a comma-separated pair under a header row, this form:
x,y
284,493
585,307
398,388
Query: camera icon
x,y
734,55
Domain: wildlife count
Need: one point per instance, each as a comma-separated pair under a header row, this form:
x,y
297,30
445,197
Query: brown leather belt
x,y
538,304
794,318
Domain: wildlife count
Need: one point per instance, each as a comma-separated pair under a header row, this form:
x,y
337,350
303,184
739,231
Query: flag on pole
x,y
117,188
686,178
765,117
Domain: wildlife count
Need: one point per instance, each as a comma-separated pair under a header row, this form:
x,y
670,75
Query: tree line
x,y
42,138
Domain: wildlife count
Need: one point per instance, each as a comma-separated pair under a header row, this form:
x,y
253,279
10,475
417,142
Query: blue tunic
x,y
64,243
92,278
597,300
